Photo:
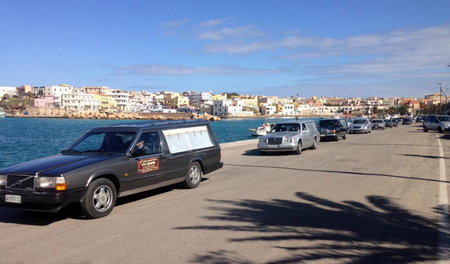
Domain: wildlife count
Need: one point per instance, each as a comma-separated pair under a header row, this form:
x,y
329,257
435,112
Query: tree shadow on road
x,y
337,172
313,229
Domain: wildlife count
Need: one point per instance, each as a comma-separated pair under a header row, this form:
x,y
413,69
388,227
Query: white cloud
x,y
238,48
230,33
174,24
156,69
212,23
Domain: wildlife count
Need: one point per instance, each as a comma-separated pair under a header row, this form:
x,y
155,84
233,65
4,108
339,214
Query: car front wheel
x,y
99,199
298,149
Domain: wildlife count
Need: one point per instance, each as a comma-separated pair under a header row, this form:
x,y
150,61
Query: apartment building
x,y
79,102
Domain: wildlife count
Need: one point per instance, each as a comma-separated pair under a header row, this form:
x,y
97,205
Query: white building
x,y
288,109
7,90
122,99
53,90
268,109
227,107
79,102
198,98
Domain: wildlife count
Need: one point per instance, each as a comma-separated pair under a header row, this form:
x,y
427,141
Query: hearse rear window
x,y
185,139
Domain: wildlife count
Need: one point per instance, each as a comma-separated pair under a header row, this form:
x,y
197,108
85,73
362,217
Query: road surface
x,y
375,198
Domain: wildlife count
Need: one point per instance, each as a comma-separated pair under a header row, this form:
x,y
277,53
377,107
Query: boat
x,y
262,130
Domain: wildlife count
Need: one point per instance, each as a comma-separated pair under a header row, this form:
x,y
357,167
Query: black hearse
x,y
110,162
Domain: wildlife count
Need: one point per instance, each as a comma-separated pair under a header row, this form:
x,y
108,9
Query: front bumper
x,y
358,130
277,148
46,201
325,135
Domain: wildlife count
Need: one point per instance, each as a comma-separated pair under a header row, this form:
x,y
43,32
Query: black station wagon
x,y
110,162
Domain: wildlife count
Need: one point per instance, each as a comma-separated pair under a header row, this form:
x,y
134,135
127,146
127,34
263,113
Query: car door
x,y
147,162
306,136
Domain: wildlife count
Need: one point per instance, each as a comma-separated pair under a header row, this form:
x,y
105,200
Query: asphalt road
x,y
369,199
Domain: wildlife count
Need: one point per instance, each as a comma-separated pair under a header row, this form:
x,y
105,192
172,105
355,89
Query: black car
x,y
333,128
388,123
407,121
110,162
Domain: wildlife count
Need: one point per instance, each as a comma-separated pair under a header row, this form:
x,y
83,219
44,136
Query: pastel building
x,y
79,102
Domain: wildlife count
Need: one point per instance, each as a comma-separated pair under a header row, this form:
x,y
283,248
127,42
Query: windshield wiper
x,y
70,151
98,150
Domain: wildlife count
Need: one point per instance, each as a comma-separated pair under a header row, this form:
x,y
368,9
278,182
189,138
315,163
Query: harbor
x,y
372,198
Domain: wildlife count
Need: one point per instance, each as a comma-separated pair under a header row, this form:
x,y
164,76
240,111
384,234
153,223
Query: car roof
x,y
152,124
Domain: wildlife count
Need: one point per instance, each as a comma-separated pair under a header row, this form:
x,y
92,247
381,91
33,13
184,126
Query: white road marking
x,y
444,228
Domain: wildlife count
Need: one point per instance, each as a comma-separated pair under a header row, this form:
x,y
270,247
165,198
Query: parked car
x,y
441,123
360,125
333,128
388,123
378,124
290,136
407,121
110,162
395,122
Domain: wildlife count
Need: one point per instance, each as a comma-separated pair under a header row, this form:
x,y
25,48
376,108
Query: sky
x,y
258,47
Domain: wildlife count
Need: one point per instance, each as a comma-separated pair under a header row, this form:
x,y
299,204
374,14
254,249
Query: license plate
x,y
13,198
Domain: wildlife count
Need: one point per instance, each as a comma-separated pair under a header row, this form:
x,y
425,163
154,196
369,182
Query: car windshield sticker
x,y
148,165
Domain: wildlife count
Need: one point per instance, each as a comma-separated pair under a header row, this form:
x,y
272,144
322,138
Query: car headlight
x,y
288,139
56,183
332,131
3,180
262,140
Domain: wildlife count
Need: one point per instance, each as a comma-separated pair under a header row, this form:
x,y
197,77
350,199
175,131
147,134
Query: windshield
x,y
286,127
387,121
360,121
327,123
377,121
110,142
444,118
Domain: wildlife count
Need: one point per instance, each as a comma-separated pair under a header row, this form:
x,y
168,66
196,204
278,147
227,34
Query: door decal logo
x,y
148,165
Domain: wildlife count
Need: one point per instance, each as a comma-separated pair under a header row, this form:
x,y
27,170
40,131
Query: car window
x,y
360,121
113,142
147,144
324,123
304,127
444,118
311,127
286,127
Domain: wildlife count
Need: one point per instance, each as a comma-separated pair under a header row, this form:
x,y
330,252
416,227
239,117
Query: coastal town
x,y
100,102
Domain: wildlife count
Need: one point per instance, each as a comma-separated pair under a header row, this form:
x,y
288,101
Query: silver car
x,y
378,123
441,123
290,136
360,125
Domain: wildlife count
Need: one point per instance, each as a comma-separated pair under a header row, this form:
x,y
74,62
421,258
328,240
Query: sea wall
x,y
63,113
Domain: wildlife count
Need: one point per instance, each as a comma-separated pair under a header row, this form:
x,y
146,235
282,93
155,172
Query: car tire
x,y
193,175
100,199
425,129
336,138
344,136
440,130
314,146
298,150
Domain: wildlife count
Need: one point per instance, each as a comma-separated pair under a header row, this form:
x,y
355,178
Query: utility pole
x,y
442,93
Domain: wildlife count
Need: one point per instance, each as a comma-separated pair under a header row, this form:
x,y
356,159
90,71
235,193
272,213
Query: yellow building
x,y
106,103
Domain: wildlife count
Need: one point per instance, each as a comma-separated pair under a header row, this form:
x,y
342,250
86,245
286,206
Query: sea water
x,y
23,139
